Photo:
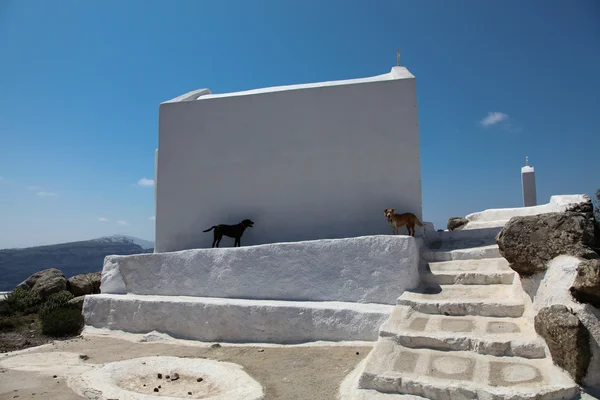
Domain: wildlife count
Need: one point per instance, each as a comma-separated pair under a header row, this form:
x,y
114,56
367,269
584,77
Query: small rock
x,y
357,353
175,376
190,393
156,389
159,376
83,357
54,376
77,302
168,377
261,350
83,284
46,282
456,222
567,338
199,379
586,287
215,346
160,387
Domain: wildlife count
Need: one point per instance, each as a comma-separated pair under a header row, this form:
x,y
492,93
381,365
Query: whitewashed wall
x,y
316,162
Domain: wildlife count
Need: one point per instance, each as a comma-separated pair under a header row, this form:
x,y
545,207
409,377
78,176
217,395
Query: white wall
x,y
318,161
370,269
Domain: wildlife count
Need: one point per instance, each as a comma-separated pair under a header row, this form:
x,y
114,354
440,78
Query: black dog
x,y
233,231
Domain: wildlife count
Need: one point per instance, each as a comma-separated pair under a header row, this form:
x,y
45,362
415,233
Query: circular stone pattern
x,y
451,365
519,373
137,379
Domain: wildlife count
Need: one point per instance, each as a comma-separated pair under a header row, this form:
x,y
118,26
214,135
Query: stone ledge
x,y
235,320
367,269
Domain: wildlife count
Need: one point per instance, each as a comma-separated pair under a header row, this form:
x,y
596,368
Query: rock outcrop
x,y
83,284
528,243
456,222
567,338
586,287
45,282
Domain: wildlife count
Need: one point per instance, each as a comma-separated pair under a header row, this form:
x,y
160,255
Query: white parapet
x,y
368,269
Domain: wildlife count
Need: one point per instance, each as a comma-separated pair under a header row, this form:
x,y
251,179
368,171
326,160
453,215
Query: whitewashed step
x,y
452,251
210,319
483,335
486,235
469,272
392,368
349,389
482,300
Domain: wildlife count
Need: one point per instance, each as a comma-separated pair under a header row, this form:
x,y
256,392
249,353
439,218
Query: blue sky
x,y
81,81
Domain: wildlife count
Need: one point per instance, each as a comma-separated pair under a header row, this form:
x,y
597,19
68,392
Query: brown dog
x,y
398,220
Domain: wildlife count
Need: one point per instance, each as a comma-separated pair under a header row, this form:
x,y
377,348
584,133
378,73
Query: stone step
x,y
486,235
449,251
482,300
469,272
236,320
483,335
486,225
392,368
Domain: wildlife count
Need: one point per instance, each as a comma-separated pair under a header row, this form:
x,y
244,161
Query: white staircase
x,y
465,334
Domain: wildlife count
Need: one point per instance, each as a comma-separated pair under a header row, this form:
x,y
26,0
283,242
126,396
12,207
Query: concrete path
x,y
466,334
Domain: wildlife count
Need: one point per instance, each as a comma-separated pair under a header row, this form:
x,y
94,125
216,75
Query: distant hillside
x,y
71,258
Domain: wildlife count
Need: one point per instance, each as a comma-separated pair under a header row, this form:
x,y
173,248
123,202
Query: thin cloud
x,y
102,219
46,194
146,182
122,223
1,178
33,187
152,218
493,118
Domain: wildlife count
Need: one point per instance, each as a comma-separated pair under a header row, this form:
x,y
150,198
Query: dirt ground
x,y
20,332
286,372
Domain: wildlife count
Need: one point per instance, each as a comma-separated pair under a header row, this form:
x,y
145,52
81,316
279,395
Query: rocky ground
x,y
21,332
286,372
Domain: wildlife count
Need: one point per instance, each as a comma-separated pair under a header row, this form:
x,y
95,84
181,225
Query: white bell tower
x,y
528,182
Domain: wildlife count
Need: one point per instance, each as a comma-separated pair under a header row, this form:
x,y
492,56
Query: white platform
x,y
320,290
368,269
234,320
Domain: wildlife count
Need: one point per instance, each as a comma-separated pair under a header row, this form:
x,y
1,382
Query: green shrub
x,y
20,300
62,321
7,324
56,301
